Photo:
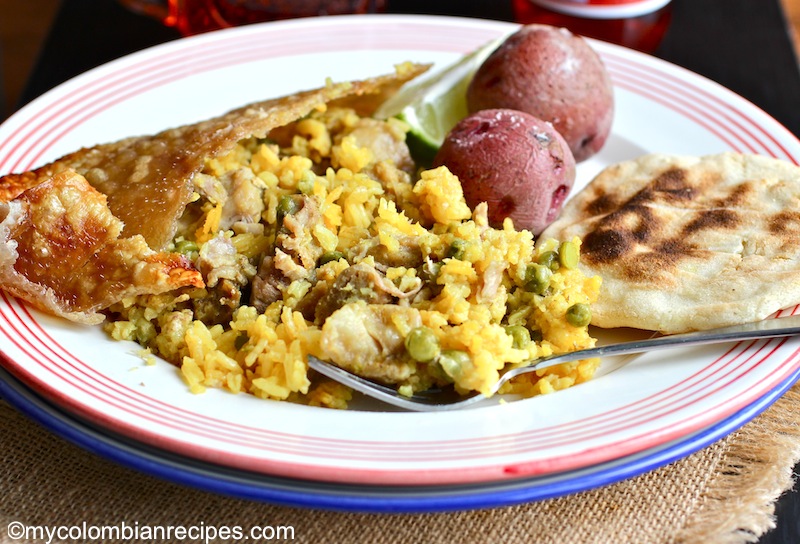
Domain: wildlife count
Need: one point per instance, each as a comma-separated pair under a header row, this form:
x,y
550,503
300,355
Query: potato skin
x,y
554,75
518,164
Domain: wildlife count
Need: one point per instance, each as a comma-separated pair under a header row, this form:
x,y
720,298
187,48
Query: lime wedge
x,y
433,103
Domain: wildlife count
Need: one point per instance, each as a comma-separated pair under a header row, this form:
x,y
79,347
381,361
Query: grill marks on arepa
x,y
643,241
689,242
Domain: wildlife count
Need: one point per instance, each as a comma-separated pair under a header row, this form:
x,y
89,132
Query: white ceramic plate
x,y
364,498
647,403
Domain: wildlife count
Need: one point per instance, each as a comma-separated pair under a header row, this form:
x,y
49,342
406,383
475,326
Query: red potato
x,y
518,164
554,75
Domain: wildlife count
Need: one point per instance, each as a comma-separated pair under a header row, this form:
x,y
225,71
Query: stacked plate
x,y
636,414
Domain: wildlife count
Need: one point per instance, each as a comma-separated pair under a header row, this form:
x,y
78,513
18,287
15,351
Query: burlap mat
x,y
724,493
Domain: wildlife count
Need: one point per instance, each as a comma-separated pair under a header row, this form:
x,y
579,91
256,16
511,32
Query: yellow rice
x,y
359,198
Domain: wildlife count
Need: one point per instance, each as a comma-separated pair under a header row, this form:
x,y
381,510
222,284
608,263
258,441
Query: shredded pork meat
x,y
365,339
296,255
360,282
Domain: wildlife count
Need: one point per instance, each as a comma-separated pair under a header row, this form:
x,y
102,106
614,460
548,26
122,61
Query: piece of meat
x,y
308,304
295,238
244,200
360,282
268,285
210,187
226,273
364,339
386,143
219,303
408,255
296,254
290,269
491,281
218,260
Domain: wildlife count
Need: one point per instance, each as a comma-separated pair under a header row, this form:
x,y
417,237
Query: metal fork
x,y
438,400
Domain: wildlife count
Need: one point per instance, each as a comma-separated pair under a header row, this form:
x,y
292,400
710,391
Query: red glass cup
x,y
196,16
638,24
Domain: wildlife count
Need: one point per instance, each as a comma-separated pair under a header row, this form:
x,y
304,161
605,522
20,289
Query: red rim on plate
x,y
48,355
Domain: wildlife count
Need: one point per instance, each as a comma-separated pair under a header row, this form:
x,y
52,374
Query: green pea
x,y
422,344
454,362
241,340
457,249
579,315
306,183
330,256
520,336
286,206
186,247
430,271
550,260
569,255
537,278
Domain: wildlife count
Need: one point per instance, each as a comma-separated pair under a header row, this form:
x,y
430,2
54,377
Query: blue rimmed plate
x,y
654,403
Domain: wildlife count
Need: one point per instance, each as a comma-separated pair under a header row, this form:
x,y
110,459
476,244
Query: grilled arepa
x,y
689,243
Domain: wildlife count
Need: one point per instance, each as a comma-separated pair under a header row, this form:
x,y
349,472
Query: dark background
x,y
742,44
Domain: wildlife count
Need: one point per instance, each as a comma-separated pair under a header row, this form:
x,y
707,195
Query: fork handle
x,y
768,328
